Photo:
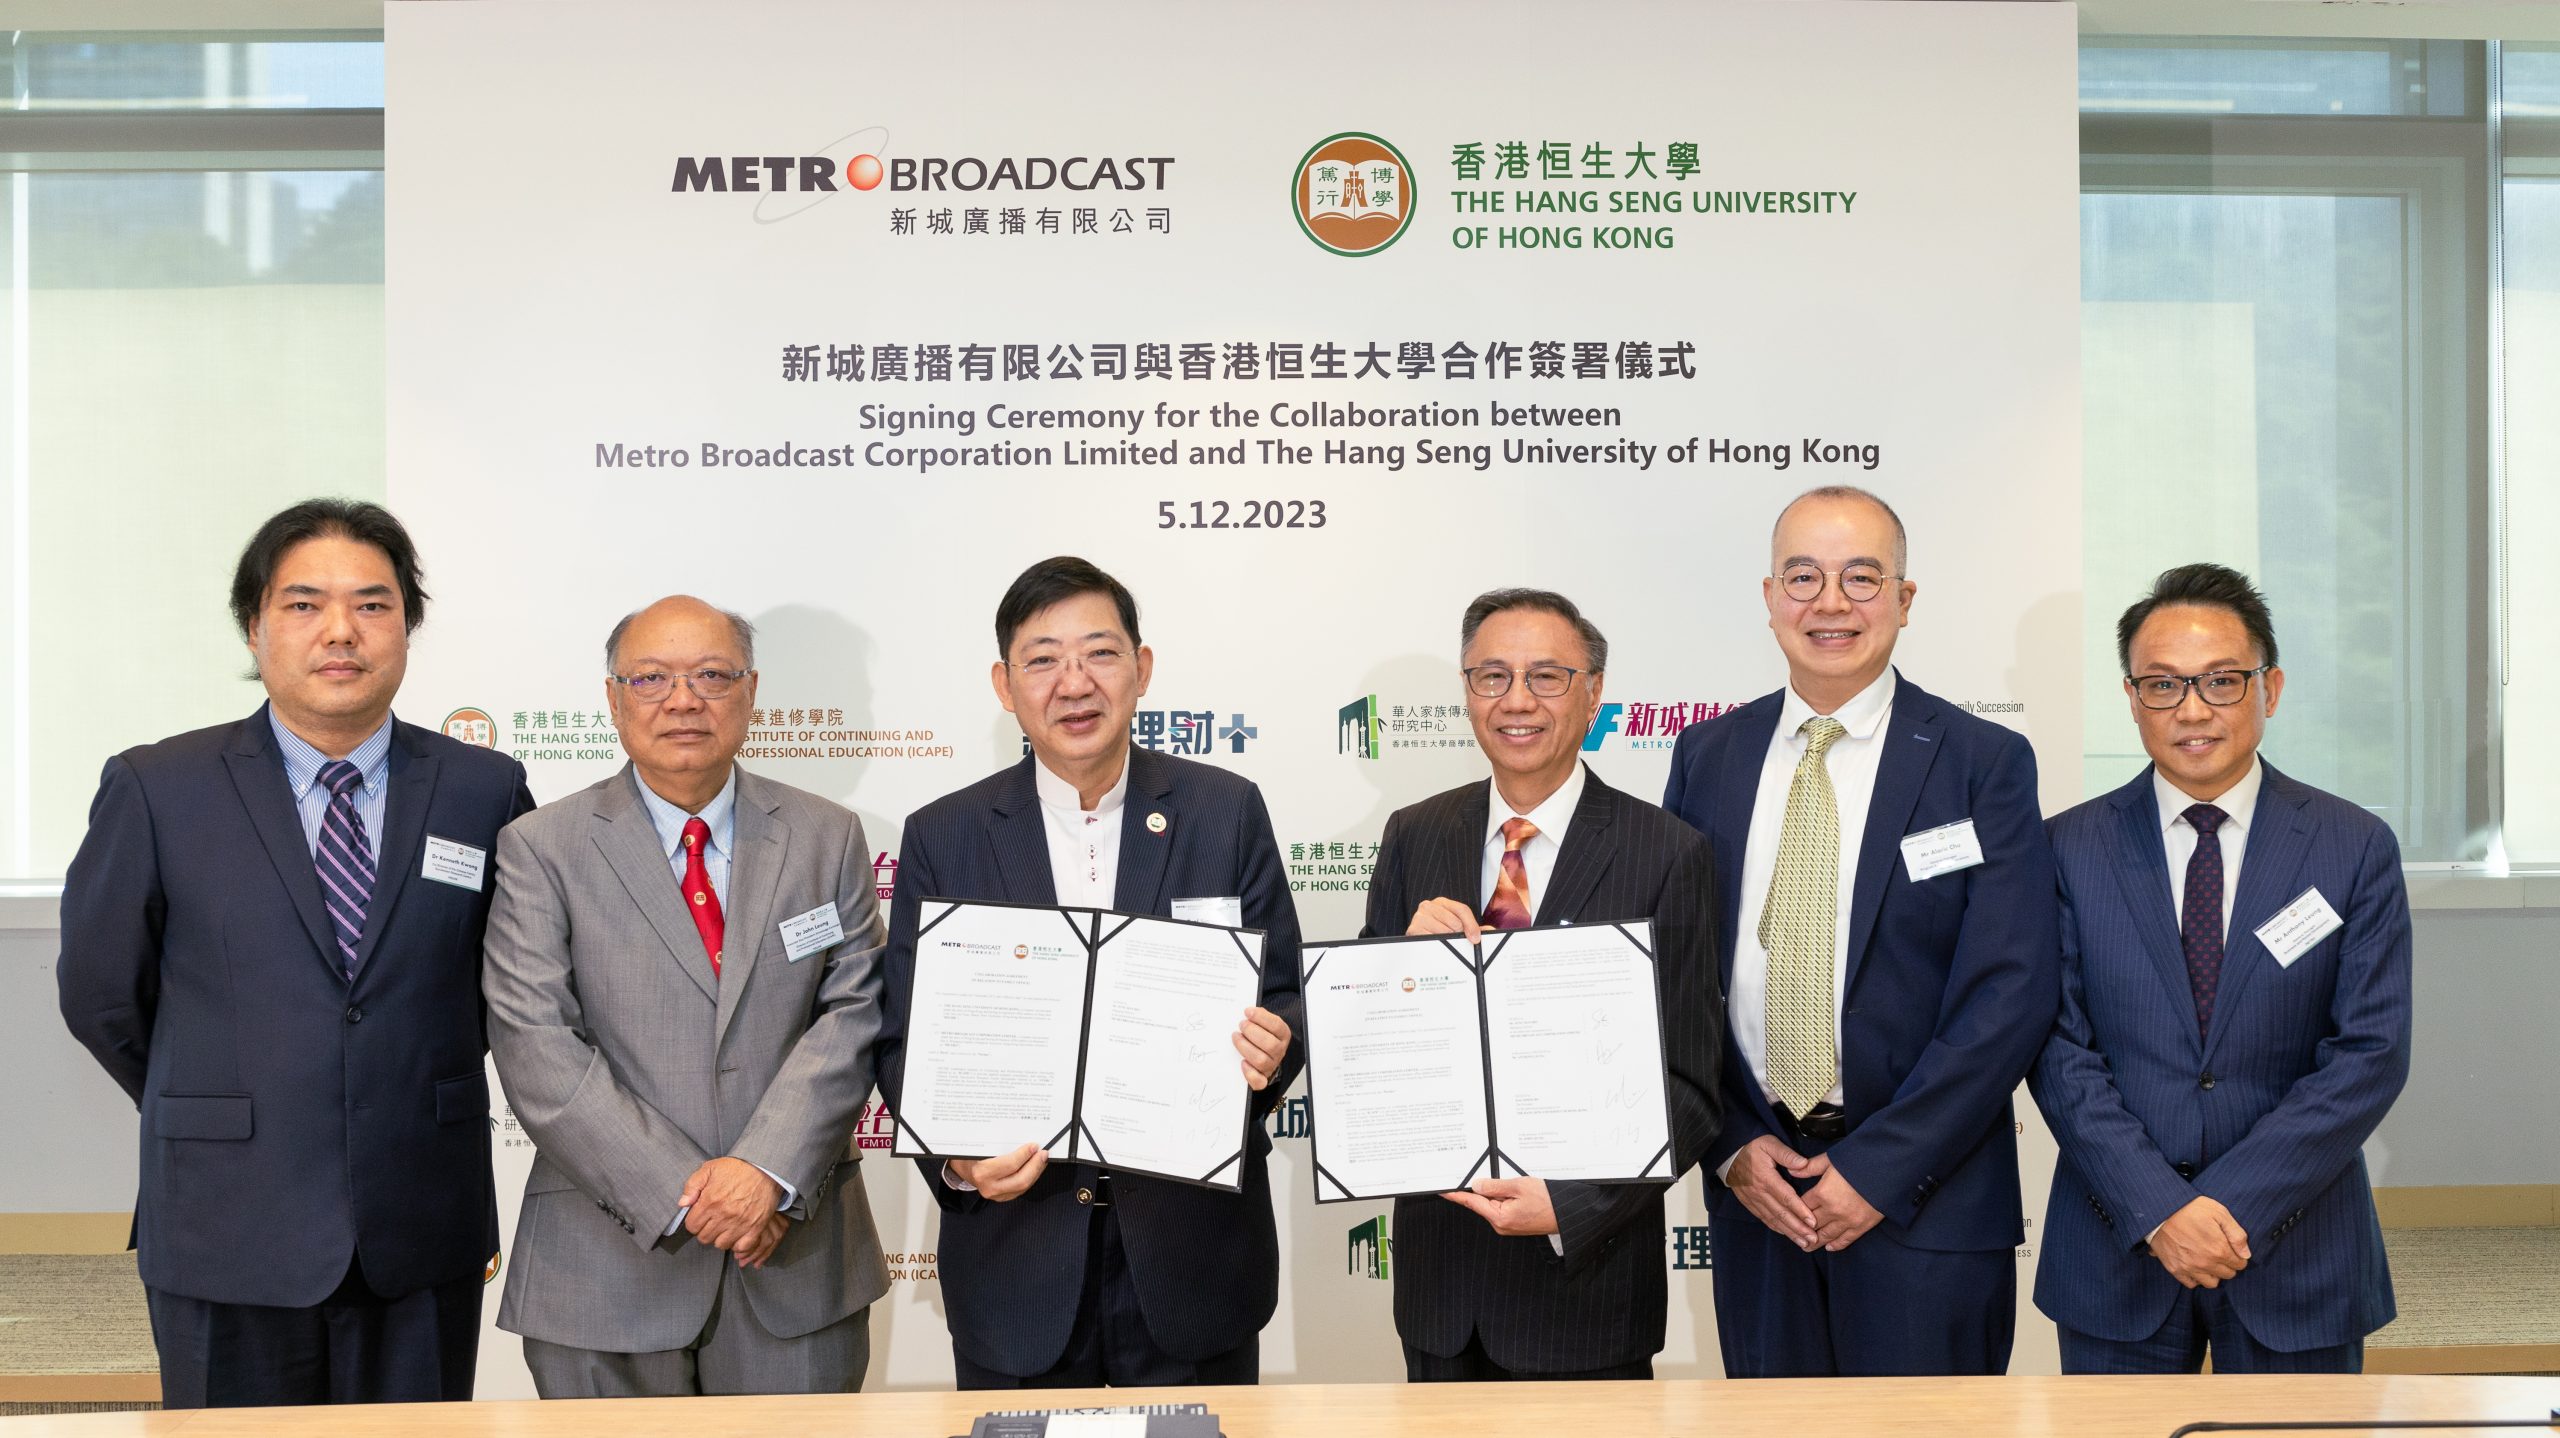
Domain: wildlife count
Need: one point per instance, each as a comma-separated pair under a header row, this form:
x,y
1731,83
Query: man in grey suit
x,y
684,993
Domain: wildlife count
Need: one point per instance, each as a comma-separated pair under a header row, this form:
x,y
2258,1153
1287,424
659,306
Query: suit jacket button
x,y
355,1015
1084,1195
2207,1081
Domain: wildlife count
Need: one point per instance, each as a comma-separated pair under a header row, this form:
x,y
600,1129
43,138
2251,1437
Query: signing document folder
x,y
1432,1062
1100,1036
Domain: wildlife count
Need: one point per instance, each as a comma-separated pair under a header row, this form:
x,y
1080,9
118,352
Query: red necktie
x,y
704,904
1509,907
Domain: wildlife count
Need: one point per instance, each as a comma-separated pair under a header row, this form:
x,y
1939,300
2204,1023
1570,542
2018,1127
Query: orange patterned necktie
x,y
1509,908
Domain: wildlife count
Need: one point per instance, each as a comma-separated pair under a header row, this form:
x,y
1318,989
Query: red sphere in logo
x,y
863,172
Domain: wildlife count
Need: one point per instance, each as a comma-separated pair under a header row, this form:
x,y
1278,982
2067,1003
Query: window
x,y
192,233
2294,341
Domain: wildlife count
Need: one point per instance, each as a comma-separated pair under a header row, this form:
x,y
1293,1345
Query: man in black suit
x,y
1521,1278
271,939
1072,1276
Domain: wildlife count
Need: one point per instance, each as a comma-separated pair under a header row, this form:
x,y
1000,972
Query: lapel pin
x,y
1155,823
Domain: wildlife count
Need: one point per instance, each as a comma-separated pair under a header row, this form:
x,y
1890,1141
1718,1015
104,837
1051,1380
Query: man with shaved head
x,y
1891,955
684,991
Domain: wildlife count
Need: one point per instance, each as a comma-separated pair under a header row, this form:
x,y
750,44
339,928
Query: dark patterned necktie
x,y
2200,917
345,860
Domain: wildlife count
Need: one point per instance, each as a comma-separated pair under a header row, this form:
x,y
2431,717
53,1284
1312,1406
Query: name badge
x,y
810,932
1941,850
2299,925
460,865
1226,913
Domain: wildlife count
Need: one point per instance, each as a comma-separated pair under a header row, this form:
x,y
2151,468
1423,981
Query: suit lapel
x,y
411,790
1589,846
1911,745
2270,878
1020,840
762,842
629,843
1737,793
2142,872
1145,848
257,771
1456,853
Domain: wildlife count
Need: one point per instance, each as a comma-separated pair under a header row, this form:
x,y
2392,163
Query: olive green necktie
x,y
1796,927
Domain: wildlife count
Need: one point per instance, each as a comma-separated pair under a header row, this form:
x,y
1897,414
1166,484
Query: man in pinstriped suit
x,y
2235,1023
1520,1278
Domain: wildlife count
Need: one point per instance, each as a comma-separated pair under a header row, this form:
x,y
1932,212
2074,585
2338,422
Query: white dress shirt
x,y
2239,805
1084,856
1552,816
1851,761
1084,844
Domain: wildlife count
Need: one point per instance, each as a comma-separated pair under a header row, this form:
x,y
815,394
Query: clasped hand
x,y
1829,1216
732,1205
2201,1245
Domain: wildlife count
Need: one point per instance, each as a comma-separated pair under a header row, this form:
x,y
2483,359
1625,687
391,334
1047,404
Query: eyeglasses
x,y
652,686
1858,583
2221,688
1547,681
1100,663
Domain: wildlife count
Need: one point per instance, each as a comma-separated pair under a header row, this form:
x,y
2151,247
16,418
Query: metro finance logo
x,y
1354,194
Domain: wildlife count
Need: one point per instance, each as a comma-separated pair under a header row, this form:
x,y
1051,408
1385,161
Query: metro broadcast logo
x,y
763,174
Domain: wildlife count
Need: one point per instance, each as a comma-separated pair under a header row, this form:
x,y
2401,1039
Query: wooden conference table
x,y
1921,1407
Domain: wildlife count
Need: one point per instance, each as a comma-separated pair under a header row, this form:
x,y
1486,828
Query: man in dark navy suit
x,y
1072,1276
1889,937
271,940
1519,1277
2235,1023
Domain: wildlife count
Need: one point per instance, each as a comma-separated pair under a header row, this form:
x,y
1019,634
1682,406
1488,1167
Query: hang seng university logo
x,y
472,726
1354,194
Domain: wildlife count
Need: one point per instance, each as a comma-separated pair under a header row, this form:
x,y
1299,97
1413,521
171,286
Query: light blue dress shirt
x,y
721,816
372,759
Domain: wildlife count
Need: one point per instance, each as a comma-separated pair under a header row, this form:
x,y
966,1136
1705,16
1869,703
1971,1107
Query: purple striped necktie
x,y
345,860
2200,919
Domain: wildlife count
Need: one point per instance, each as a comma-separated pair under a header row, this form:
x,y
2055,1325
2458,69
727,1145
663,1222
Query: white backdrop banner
x,y
1309,322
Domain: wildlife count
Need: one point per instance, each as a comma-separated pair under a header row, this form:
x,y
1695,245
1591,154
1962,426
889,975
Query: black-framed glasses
x,y
1858,583
2220,688
1547,681
652,686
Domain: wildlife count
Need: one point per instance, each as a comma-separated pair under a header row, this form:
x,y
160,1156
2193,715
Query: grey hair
x,y
740,631
1545,601
1901,540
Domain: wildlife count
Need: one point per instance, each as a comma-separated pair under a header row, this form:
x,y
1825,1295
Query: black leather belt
x,y
1827,1122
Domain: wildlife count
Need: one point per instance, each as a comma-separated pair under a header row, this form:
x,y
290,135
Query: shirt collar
x,y
1861,716
302,762
721,814
1551,816
2237,803
1057,793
